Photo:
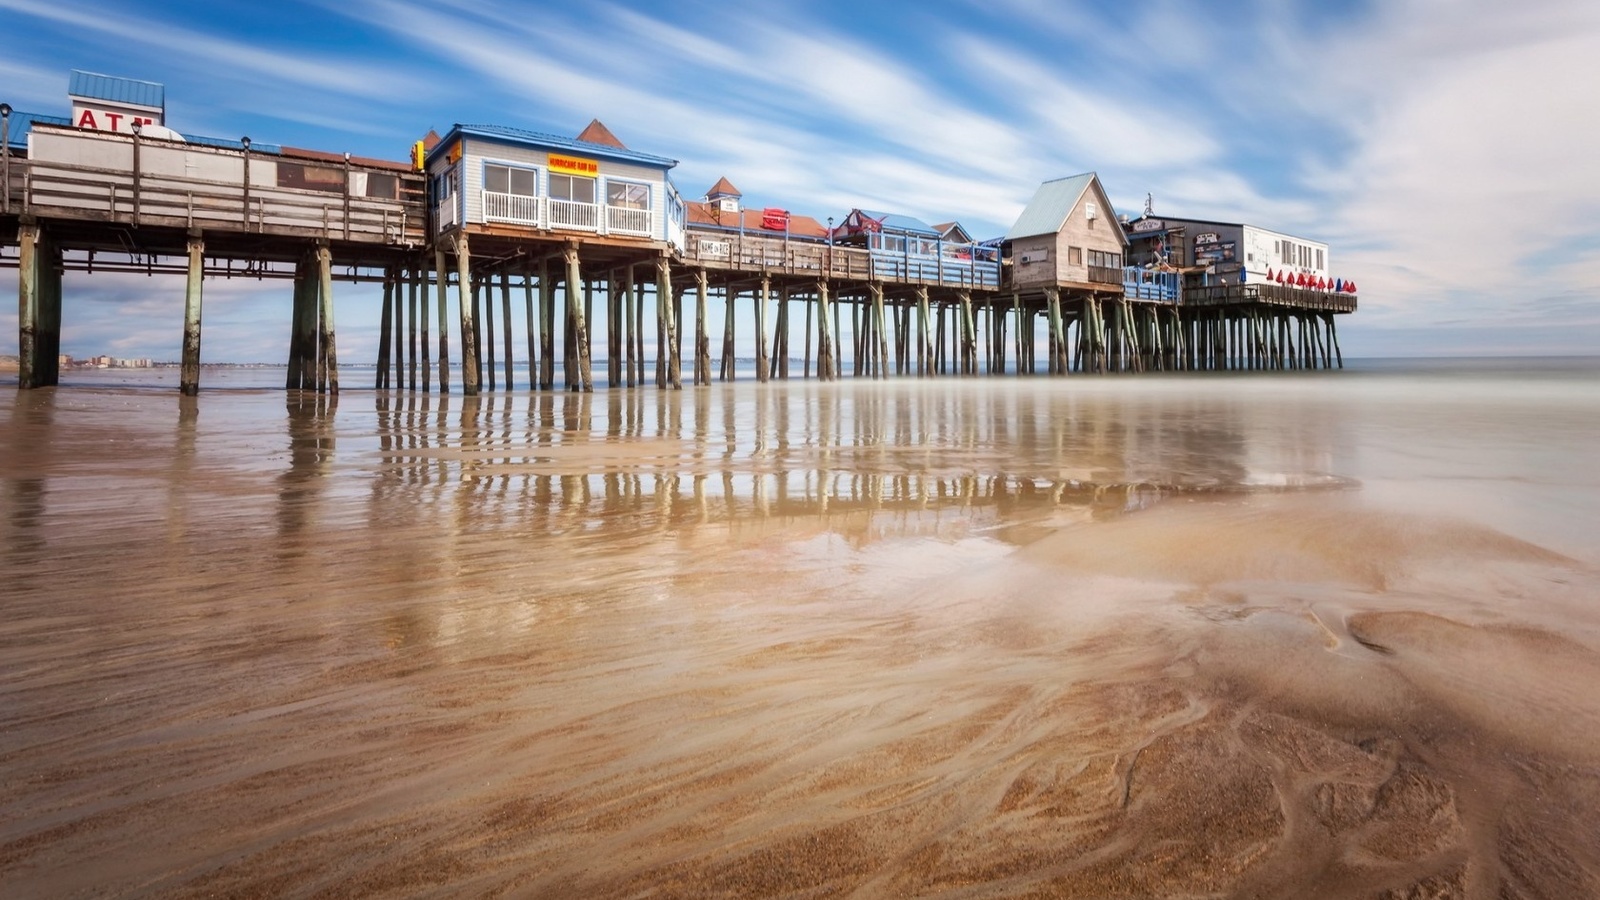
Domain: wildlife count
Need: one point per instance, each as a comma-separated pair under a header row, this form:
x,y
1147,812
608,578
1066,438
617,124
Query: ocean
x,y
1296,634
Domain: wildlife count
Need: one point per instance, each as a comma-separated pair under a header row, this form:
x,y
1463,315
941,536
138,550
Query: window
x,y
627,195
1105,260
498,179
311,178
1074,256
575,188
1319,259
386,187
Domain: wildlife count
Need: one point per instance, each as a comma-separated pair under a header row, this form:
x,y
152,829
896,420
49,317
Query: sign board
x,y
1149,225
561,164
101,118
715,249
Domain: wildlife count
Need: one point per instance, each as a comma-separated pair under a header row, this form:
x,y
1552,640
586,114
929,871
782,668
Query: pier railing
x,y
154,188
1139,283
1272,294
779,256
571,215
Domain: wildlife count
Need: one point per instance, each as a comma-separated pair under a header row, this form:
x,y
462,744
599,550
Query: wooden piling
x,y
825,341
327,353
505,322
466,295
443,277
878,325
729,298
38,309
702,339
422,288
663,293
761,327
414,292
580,326
385,331
547,327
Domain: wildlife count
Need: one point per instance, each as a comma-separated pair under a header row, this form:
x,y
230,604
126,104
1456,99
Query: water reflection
x,y
645,461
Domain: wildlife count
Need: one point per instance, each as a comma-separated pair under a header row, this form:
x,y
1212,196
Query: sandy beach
x,y
1293,637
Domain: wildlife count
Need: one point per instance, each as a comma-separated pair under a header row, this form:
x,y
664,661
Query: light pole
x,y
245,142
5,157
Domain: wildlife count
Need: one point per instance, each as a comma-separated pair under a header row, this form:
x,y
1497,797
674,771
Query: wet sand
x,y
1315,637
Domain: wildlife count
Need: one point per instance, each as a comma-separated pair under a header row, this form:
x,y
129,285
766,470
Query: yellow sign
x,y
572,165
455,152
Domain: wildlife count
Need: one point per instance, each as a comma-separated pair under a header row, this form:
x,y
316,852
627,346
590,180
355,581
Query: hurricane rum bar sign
x,y
560,164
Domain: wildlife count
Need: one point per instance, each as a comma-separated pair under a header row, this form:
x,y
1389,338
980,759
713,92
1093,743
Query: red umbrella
x,y
1321,285
1350,287
1280,276
1300,279
1269,273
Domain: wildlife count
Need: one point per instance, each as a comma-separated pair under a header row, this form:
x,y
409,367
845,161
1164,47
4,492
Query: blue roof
x,y
897,222
22,123
117,90
553,142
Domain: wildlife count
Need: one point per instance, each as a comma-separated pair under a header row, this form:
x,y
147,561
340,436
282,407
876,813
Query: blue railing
x,y
1149,284
948,269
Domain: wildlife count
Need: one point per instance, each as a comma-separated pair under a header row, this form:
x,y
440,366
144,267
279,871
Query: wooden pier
x,y
559,243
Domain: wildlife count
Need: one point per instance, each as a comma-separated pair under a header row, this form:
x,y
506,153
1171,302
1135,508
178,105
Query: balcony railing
x,y
517,209
573,214
622,220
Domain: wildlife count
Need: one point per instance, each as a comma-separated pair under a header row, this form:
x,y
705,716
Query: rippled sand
x,y
1106,638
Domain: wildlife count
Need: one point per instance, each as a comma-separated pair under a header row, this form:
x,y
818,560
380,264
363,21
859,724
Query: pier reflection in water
x,y
1107,637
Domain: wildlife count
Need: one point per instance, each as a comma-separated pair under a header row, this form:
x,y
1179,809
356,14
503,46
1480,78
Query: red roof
x,y
704,213
723,186
598,133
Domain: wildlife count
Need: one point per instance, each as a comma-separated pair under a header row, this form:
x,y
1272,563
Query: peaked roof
x,y
723,188
598,133
1053,202
896,222
545,141
94,86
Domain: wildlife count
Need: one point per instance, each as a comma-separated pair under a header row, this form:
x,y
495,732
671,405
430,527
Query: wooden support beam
x,y
530,315
505,322
702,339
414,289
421,274
485,313
327,351
189,379
878,325
580,326
385,331
762,374
28,363
443,278
466,299
729,297
663,293
547,327
826,370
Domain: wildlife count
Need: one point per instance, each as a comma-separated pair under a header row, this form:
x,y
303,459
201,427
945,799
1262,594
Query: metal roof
x,y
22,123
94,86
553,142
897,222
1050,206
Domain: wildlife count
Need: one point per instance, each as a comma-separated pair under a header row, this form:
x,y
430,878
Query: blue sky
x,y
1447,150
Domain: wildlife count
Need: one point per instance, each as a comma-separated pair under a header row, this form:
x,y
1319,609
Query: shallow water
x,y
1323,635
